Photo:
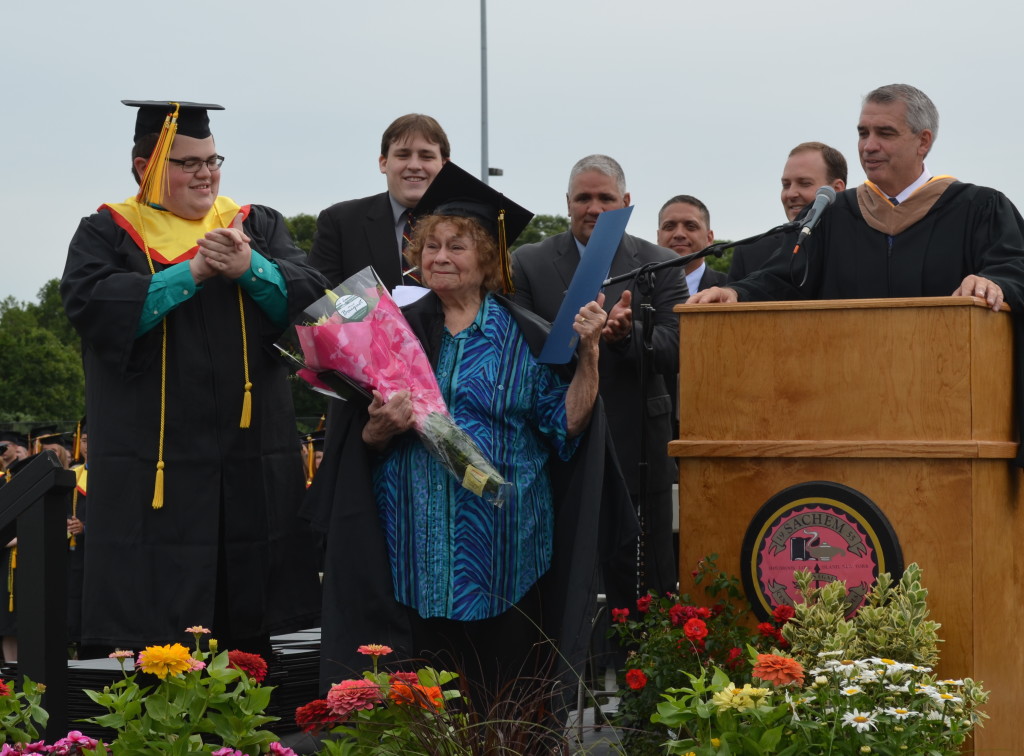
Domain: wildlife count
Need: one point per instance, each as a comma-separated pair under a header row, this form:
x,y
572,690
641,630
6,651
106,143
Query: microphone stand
x,y
712,249
644,276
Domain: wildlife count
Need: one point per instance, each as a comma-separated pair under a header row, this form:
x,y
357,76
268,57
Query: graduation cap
x,y
13,437
166,118
457,192
192,119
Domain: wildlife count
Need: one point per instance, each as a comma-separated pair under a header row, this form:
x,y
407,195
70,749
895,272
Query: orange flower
x,y
428,697
779,670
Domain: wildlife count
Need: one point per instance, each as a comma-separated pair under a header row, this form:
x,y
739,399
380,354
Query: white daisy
x,y
861,721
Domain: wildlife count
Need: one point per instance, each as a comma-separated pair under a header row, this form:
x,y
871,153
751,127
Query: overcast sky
x,y
702,98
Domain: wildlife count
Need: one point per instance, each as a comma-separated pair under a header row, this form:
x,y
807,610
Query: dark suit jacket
x,y
746,258
711,278
542,273
354,234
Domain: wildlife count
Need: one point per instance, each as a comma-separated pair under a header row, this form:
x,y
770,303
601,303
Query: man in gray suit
x,y
369,231
542,273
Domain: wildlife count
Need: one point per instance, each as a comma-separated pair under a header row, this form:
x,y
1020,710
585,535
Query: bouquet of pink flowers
x,y
359,334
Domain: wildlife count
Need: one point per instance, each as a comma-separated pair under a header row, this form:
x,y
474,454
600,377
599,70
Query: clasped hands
x,y
222,252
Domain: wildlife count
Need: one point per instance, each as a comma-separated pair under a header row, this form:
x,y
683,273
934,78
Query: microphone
x,y
824,197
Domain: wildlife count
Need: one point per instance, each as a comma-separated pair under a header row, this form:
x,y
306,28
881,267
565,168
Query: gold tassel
x,y
72,541
77,453
12,564
310,461
503,256
158,488
246,420
246,406
154,178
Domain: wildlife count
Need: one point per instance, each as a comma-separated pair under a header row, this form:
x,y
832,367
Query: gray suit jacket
x,y
353,234
542,273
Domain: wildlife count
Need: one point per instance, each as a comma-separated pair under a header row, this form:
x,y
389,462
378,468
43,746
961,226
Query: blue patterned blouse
x,y
453,554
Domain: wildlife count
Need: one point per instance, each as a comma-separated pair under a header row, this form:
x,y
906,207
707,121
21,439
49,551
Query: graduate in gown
x,y
194,475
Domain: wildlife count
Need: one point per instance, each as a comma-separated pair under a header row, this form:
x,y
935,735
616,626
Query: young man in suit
x,y
542,273
356,233
810,166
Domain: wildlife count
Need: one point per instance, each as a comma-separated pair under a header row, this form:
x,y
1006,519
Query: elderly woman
x,y
472,583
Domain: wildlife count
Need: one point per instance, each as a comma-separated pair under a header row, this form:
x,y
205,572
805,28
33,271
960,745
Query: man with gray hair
x,y
903,232
542,273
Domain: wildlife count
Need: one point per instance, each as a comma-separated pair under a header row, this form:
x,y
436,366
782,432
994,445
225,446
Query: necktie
x,y
410,275
894,201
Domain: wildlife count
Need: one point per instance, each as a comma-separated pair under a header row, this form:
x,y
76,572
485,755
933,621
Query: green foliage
x,y
541,227
43,379
20,712
421,713
847,708
193,712
892,622
302,228
722,263
673,638
49,315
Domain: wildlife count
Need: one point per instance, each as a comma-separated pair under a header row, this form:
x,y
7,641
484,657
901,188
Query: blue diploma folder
x,y
586,283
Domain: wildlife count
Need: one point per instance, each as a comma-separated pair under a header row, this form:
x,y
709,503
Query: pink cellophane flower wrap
x,y
359,332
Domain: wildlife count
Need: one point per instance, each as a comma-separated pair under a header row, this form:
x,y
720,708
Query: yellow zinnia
x,y
165,660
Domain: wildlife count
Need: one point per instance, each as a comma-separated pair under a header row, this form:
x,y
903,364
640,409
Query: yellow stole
x,y
171,239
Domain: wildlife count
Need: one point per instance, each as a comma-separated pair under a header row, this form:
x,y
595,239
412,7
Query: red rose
x,y
735,658
695,630
677,614
703,612
643,604
767,629
636,679
620,615
783,613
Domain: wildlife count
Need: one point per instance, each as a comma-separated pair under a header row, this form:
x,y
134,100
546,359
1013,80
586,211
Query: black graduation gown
x,y
593,515
969,230
231,495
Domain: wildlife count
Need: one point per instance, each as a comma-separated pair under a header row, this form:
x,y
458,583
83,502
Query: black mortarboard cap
x,y
457,192
193,120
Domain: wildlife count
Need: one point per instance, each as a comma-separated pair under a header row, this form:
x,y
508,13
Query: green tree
x,y
302,228
43,380
721,263
49,315
541,227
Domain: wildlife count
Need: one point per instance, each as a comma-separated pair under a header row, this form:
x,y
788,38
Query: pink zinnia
x,y
374,649
352,695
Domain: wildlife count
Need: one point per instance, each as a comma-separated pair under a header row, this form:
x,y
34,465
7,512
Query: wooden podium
x,y
910,402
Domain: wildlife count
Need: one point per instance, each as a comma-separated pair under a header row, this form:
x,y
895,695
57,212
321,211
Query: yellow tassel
x,y
154,178
504,258
310,460
12,564
77,453
158,489
246,407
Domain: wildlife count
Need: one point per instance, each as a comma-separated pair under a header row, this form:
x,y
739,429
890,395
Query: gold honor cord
x,y
245,422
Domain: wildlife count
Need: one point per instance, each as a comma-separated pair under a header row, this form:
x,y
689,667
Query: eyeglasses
x,y
192,165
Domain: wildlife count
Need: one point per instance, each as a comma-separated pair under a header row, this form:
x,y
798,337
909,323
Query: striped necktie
x,y
410,275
